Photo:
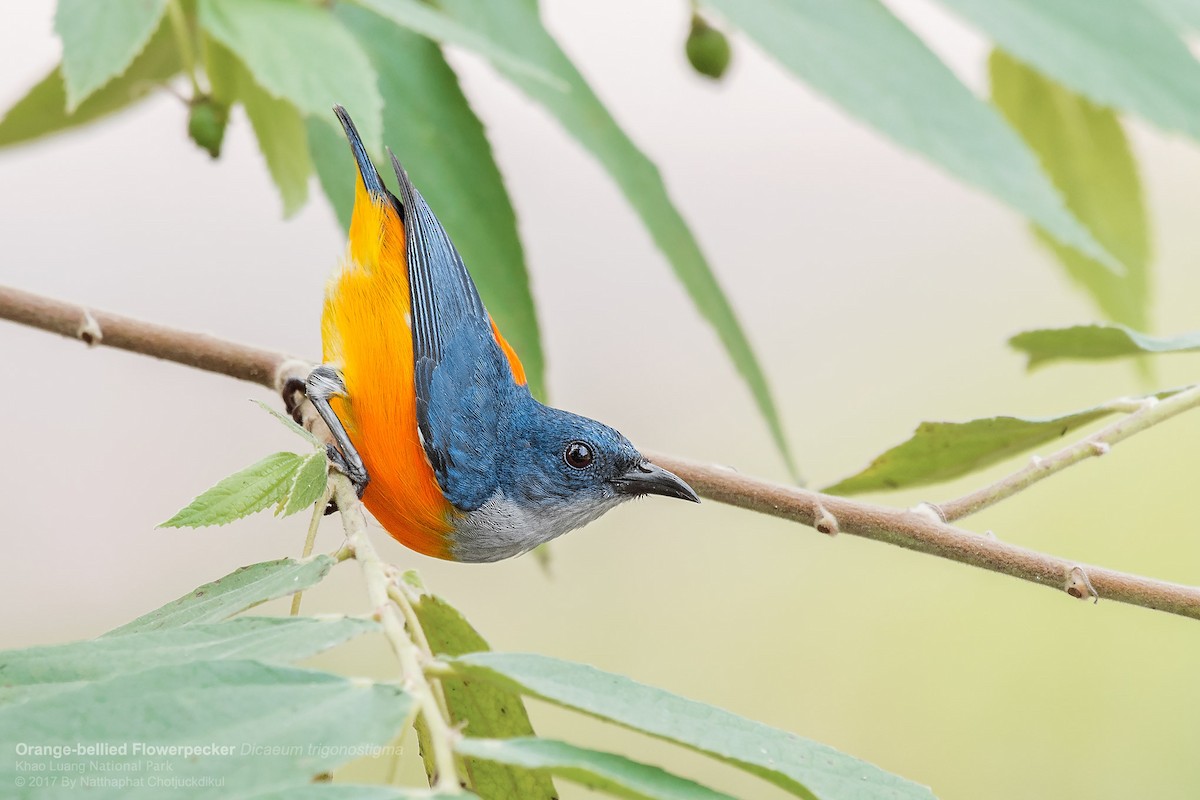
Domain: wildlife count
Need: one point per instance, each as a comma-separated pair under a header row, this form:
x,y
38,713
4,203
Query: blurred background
x,y
877,291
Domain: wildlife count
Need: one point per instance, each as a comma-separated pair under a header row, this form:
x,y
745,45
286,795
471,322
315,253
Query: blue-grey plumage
x,y
517,473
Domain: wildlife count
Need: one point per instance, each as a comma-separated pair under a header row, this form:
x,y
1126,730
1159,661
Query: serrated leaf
x,y
800,766
101,39
858,54
607,772
241,589
283,142
485,709
515,24
42,111
430,22
275,639
1083,149
309,485
942,451
291,425
241,494
429,124
278,125
300,53
1096,342
318,720
1120,54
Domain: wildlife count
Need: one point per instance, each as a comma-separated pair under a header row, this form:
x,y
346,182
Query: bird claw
x,y
358,480
357,475
322,383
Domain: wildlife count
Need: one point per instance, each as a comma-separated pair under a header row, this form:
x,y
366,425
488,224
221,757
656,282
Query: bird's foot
x,y
323,383
353,470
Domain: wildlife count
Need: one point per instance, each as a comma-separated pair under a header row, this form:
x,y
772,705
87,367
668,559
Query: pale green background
x,y
878,293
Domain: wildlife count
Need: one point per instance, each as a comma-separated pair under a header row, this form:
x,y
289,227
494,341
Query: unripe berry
x,y
707,48
206,124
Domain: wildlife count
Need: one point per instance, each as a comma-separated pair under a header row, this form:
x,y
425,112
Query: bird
x,y
429,408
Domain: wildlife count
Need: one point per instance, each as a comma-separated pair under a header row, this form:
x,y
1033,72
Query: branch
x,y
1147,413
919,529
199,350
379,582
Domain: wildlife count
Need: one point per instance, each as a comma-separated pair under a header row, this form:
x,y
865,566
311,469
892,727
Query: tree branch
x,y
1147,413
920,529
199,350
379,582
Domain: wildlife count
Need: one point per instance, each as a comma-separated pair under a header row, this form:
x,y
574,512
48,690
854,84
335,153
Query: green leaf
x,y
431,22
1123,54
349,791
223,69
310,483
607,772
335,168
101,39
1083,149
241,589
317,720
278,125
864,59
1096,342
798,765
515,23
441,142
42,110
277,639
299,53
941,451
1183,14
291,425
241,494
486,709
283,141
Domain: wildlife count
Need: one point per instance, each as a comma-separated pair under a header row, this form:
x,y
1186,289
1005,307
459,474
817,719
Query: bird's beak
x,y
646,478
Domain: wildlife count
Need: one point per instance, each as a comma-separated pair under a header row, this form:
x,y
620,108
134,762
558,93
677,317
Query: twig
x,y
376,574
1147,413
922,532
314,522
399,595
170,344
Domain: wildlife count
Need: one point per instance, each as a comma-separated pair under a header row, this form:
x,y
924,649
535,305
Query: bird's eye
x,y
578,455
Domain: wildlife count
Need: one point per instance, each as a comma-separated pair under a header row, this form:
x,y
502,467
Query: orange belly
x,y
366,335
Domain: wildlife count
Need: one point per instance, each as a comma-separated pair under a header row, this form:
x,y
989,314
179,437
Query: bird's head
x,y
574,468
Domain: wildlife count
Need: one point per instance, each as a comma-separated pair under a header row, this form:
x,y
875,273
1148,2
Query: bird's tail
x,y
376,226
366,170
369,294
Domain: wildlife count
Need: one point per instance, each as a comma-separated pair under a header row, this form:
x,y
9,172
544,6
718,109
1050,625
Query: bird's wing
x,y
464,372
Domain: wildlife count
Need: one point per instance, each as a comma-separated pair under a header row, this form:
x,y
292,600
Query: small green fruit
x,y
708,49
206,124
